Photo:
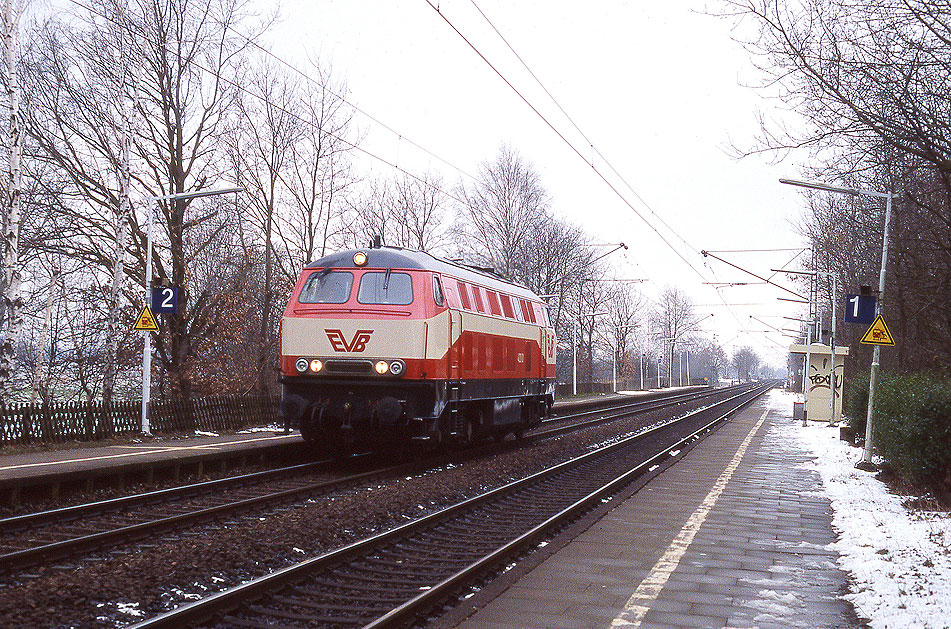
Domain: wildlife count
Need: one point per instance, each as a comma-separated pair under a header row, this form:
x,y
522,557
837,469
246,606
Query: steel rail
x,y
442,590
19,559
28,520
232,598
152,497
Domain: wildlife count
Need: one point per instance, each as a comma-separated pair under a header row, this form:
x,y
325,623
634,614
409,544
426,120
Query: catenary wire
x,y
245,90
583,135
554,129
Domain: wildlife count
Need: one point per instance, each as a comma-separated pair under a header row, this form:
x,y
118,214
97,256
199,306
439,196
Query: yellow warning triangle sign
x,y
145,322
878,333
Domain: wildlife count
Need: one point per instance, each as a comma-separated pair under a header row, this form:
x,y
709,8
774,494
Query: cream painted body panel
x,y
397,338
388,338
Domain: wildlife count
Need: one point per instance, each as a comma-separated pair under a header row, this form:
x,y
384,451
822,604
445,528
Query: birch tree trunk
x,y
12,300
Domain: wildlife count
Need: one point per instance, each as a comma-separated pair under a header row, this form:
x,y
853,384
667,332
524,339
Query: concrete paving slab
x,y
760,558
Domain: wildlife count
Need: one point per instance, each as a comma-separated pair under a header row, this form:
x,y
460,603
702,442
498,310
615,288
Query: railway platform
x,y
49,470
736,533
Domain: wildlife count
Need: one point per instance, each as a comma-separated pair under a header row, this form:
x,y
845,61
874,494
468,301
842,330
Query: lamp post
x,y
147,349
866,462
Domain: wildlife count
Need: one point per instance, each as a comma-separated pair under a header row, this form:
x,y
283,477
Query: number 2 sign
x,y
165,299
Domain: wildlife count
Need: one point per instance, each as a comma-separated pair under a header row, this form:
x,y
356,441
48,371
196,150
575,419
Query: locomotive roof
x,y
397,258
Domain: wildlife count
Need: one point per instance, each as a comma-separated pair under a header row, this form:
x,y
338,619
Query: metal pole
x,y
877,352
642,371
614,368
670,367
147,349
574,358
688,366
805,374
832,419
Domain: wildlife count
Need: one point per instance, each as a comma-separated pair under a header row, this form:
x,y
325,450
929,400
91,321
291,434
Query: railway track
x,y
397,577
71,532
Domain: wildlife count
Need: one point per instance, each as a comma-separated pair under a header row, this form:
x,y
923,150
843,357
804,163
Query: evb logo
x,y
340,344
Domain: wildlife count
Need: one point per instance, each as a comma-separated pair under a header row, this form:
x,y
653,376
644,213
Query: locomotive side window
x,y
477,293
464,296
507,306
325,287
527,312
494,303
385,288
545,318
519,315
452,294
541,314
437,291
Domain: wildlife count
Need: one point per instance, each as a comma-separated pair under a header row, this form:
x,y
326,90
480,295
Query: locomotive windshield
x,y
325,287
385,288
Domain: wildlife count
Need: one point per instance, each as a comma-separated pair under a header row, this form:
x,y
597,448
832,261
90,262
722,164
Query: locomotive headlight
x,y
397,367
381,367
301,365
359,258
316,366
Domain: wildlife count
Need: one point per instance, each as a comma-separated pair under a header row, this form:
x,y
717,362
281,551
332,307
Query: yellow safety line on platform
x,y
128,454
637,606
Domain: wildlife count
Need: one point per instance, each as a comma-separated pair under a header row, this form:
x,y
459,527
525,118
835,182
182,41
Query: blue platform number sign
x,y
165,299
860,309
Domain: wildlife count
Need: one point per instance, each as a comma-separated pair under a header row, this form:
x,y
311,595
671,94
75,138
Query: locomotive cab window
x,y
327,287
385,287
437,291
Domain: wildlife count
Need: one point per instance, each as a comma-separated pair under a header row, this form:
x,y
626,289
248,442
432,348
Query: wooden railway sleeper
x,y
305,598
307,618
377,582
356,589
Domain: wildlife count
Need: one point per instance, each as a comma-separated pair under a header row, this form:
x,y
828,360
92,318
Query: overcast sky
x,y
660,89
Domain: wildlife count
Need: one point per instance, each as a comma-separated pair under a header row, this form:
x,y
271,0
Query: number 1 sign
x,y
859,309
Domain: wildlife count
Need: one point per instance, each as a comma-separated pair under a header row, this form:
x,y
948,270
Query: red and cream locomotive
x,y
384,345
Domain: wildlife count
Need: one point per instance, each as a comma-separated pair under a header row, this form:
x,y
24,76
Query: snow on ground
x,y
899,559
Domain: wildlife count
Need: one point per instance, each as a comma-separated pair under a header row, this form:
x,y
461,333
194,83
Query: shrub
x,y
855,402
913,428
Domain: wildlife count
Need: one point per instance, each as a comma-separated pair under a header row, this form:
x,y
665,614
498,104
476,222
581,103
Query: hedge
x,y
912,425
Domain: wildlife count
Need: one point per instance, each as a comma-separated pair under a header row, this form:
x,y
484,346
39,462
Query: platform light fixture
x,y
866,462
147,349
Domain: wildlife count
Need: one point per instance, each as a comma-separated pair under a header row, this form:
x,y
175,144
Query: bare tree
x,y
870,80
261,143
624,309
406,212
746,362
11,188
319,175
187,62
502,208
420,205
673,319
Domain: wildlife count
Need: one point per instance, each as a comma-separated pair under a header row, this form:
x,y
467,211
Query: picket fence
x,y
89,421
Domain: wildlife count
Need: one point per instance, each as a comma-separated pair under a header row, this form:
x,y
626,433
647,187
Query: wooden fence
x,y
82,421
